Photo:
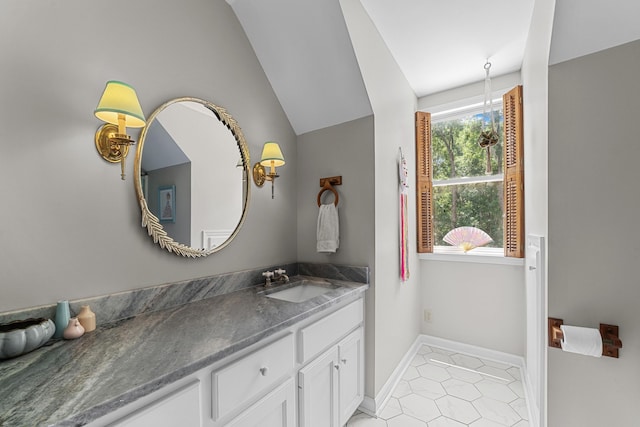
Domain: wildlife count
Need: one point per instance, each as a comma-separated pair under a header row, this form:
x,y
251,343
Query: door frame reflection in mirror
x,y
151,221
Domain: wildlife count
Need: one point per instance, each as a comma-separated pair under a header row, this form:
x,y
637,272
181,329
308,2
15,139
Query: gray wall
x,y
66,211
477,304
594,243
396,304
347,150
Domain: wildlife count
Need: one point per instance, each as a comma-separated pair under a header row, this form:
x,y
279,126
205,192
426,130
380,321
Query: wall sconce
x,y
119,108
271,157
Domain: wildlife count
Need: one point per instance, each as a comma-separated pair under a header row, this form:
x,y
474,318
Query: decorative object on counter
x,y
23,336
73,330
271,157
403,188
467,238
62,318
87,318
119,108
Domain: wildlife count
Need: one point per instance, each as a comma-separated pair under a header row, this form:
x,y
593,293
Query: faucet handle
x,y
267,274
280,271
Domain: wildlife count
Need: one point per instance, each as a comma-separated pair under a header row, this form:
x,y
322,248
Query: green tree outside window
x,y
456,154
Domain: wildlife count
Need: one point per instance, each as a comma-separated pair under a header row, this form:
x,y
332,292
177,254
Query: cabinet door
x,y
351,374
277,409
179,408
318,391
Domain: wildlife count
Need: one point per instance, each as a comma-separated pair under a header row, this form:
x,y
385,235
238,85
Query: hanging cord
x,y
487,94
488,137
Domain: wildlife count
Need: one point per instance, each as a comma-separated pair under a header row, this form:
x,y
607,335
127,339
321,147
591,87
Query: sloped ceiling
x,y
582,27
306,53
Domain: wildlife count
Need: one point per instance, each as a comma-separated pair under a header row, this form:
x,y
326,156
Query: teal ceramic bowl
x,y
23,336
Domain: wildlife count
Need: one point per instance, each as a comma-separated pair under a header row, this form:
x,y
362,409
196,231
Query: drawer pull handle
x,y
264,371
337,367
344,361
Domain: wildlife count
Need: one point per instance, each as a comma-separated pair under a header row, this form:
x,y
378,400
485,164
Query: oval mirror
x,y
190,173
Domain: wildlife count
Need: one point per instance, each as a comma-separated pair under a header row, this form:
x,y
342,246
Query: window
x,y
454,186
467,190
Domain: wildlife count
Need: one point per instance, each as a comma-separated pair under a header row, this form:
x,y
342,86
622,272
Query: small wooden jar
x,y
87,318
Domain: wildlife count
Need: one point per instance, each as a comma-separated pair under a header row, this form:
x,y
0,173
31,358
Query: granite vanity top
x,y
71,383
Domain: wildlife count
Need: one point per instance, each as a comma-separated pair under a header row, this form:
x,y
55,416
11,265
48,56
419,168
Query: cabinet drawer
x,y
318,336
251,376
181,407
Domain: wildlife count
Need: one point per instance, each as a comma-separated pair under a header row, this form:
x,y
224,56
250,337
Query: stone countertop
x,y
71,383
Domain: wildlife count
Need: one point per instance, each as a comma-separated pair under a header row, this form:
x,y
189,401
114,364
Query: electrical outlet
x,y
427,316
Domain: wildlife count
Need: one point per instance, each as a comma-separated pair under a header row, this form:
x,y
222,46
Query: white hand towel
x,y
328,232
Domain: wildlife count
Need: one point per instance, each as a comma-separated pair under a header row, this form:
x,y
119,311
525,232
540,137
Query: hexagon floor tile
x,y
442,388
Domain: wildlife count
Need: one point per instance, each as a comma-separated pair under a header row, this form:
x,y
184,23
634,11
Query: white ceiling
x,y
306,52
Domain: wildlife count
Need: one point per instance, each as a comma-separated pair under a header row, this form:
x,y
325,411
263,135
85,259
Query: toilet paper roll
x,y
587,341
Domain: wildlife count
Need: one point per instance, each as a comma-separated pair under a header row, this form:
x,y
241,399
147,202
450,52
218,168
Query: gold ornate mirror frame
x,y
151,222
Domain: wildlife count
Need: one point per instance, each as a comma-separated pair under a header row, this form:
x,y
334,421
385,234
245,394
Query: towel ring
x,y
328,187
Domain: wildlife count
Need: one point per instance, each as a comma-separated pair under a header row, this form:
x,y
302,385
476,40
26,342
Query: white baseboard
x,y
373,406
472,350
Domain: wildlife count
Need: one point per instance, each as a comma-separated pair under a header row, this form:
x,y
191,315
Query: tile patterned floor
x,y
442,388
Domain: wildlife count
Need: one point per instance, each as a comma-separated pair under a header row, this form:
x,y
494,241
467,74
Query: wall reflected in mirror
x,y
197,149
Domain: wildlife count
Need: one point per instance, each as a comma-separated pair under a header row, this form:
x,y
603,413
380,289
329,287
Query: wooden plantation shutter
x,y
513,151
424,184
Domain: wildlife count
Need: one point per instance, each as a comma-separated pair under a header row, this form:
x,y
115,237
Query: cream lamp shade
x,y
271,153
120,98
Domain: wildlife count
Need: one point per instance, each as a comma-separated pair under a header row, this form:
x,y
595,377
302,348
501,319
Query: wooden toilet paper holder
x,y
610,341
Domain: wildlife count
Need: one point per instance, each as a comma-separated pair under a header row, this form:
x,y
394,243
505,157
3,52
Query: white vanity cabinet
x,y
331,386
311,374
351,374
255,389
318,394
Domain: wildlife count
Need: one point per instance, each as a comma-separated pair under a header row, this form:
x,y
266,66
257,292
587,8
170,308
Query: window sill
x,y
485,257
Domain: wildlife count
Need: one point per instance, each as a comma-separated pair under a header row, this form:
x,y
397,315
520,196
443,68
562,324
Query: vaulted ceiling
x,y
306,52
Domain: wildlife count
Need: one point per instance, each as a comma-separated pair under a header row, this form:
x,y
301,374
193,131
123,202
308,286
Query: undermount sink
x,y
300,291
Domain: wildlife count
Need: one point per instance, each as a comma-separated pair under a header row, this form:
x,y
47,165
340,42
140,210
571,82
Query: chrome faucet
x,y
268,275
280,276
